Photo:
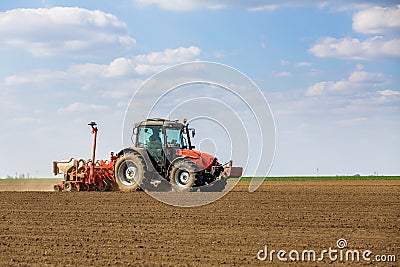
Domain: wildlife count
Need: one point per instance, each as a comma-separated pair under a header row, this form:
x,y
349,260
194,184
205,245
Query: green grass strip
x,y
321,178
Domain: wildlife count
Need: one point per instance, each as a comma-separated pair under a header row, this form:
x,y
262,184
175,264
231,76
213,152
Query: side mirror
x,y
135,130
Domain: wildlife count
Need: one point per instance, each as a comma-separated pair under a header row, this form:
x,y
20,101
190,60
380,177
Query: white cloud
x,y
353,48
356,80
143,69
169,56
298,64
351,122
303,64
81,107
363,77
59,30
79,72
224,53
264,8
139,65
389,92
118,79
319,88
285,62
118,67
122,89
36,76
283,74
377,20
181,5
152,62
257,5
366,101
371,20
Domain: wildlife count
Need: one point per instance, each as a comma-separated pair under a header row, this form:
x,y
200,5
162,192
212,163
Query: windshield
x,y
174,137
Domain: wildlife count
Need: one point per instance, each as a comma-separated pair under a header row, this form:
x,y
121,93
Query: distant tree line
x,y
20,176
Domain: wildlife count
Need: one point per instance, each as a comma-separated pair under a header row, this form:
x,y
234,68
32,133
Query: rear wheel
x,y
129,172
183,175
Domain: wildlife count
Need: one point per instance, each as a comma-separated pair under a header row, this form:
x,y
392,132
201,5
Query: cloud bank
x,y
384,25
255,5
59,30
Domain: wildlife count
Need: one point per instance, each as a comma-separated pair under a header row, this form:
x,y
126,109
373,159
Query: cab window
x,y
174,137
149,134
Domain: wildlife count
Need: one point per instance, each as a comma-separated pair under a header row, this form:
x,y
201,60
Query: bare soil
x,y
133,229
28,184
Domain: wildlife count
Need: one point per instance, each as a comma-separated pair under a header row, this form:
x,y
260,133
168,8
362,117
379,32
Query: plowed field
x,y
132,229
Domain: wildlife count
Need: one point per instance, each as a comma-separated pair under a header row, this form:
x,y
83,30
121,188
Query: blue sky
x,y
329,70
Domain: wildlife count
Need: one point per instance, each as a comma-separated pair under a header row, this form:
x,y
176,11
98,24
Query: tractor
x,y
162,159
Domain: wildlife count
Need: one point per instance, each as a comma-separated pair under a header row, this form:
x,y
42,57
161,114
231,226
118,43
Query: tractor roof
x,y
159,122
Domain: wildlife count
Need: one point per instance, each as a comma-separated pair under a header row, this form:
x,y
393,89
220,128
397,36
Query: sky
x,y
328,69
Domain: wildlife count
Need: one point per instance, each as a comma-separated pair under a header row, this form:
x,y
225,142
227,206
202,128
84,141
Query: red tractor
x,y
162,158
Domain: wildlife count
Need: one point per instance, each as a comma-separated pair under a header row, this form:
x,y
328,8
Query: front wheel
x,y
129,172
183,175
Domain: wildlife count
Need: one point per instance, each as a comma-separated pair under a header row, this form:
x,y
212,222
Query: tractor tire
x,y
68,187
129,172
183,175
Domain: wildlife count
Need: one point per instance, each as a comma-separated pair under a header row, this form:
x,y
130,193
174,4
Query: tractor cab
x,y
162,138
